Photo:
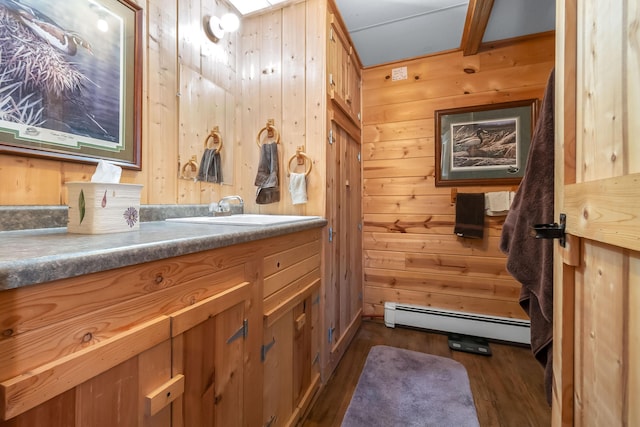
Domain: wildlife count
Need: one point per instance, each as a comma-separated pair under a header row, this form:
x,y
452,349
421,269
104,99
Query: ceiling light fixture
x,y
215,27
249,6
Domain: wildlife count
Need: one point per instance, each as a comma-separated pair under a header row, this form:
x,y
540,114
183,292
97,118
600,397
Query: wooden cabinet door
x,y
344,257
118,397
354,89
597,275
278,373
338,62
290,373
343,71
208,342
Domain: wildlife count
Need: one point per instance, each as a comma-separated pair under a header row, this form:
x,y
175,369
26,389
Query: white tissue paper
x,y
107,172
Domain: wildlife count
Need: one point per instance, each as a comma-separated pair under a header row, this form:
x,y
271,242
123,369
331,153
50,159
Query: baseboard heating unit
x,y
479,325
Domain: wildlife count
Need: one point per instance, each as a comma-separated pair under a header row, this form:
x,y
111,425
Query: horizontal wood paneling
x,y
436,243
526,52
414,110
410,252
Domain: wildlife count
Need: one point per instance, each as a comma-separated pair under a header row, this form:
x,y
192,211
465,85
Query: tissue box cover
x,y
100,208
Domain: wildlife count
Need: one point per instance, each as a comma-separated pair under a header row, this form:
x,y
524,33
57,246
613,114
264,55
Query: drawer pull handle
x,y
164,395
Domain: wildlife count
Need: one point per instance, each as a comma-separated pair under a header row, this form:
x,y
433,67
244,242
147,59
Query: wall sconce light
x,y
215,27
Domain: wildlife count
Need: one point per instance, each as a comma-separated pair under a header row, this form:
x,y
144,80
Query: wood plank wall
x,y
410,252
272,67
282,78
179,61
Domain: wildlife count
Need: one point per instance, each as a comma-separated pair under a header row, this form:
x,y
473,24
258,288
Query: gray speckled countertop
x,y
41,255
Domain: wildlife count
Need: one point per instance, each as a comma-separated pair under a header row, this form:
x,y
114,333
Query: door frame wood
x,y
565,173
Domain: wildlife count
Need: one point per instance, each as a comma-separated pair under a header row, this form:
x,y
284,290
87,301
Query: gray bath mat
x,y
399,387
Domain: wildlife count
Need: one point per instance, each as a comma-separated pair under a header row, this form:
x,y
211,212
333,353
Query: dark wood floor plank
x,y
507,387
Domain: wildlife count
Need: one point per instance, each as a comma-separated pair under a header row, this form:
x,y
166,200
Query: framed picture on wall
x,y
483,145
70,80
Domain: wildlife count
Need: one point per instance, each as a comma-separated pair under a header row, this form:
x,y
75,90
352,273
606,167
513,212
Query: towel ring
x,y
216,137
296,156
192,165
268,127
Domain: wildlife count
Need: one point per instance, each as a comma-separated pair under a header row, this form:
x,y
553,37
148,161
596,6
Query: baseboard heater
x,y
479,325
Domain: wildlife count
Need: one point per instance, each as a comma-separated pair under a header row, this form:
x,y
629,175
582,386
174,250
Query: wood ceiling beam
x,y
478,14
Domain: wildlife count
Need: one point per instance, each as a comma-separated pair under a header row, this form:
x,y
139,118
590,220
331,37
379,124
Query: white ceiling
x,y
390,30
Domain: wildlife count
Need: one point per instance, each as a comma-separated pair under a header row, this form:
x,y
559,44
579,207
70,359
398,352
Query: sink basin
x,y
245,219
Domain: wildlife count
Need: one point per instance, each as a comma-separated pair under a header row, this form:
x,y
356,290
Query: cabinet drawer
x,y
290,274
67,336
282,301
32,307
279,261
36,386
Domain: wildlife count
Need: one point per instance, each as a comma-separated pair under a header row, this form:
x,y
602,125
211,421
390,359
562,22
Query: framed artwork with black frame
x,y
71,80
483,145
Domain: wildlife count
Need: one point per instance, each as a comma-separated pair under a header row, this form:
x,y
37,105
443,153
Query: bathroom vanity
x,y
177,324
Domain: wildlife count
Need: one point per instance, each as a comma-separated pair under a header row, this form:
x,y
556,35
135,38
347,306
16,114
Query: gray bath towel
x,y
267,176
210,166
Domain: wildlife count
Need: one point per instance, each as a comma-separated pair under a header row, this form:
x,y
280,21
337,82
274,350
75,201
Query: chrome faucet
x,y
235,197
224,208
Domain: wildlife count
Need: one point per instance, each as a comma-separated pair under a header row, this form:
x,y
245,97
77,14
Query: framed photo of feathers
x,y
70,80
484,144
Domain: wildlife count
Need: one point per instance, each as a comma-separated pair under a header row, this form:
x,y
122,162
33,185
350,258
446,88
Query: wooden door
x,y
597,275
344,200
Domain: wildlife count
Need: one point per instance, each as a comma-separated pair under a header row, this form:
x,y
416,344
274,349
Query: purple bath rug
x,y
399,387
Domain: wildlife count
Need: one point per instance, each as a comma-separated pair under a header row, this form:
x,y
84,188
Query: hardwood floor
x,y
507,387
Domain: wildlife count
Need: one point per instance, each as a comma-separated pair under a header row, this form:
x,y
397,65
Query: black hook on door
x,y
551,231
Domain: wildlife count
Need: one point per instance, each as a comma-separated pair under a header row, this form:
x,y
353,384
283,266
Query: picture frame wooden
x,y
72,80
483,144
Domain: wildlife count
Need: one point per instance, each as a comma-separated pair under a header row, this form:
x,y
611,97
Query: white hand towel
x,y
497,203
298,188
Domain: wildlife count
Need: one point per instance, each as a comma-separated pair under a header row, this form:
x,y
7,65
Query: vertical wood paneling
x,y
20,177
247,160
189,33
604,336
194,92
293,92
281,79
159,152
315,105
400,197
596,71
632,65
270,104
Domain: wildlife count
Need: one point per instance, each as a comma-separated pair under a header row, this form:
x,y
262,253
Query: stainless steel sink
x,y
245,219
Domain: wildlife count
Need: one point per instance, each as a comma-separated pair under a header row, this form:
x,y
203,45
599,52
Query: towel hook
x,y
215,136
300,155
272,132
